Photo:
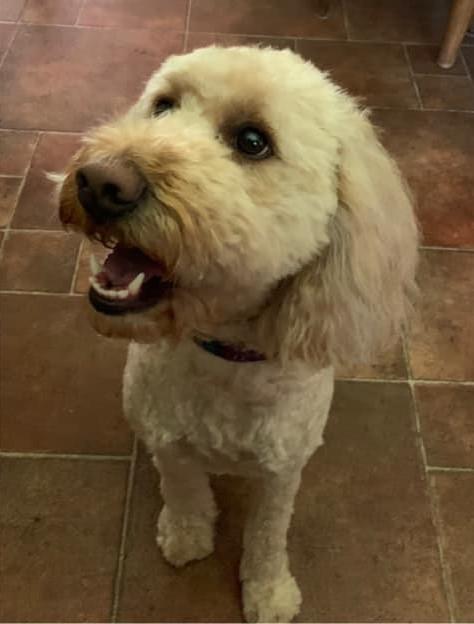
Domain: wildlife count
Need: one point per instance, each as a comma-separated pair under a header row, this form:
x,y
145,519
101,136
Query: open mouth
x,y
128,281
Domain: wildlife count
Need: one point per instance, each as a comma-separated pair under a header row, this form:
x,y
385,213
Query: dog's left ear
x,y
350,301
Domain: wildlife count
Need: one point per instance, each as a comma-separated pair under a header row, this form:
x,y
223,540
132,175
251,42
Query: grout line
x,y
429,110
412,77
18,195
466,66
449,249
322,39
72,289
22,10
19,130
428,75
445,571
442,382
372,380
100,27
421,382
445,567
79,13
42,293
38,230
43,130
345,20
186,26
123,537
7,175
10,43
448,469
75,456
449,110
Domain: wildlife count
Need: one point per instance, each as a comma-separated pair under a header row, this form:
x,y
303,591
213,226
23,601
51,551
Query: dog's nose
x,y
109,190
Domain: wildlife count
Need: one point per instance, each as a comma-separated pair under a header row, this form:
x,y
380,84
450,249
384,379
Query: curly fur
x,y
308,255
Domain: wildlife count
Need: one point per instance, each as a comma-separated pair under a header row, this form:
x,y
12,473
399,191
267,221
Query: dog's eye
x,y
162,105
253,143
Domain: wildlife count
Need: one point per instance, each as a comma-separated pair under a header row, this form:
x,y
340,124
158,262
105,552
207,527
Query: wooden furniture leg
x,y
460,16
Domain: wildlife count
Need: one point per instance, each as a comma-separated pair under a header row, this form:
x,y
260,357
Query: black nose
x,y
108,191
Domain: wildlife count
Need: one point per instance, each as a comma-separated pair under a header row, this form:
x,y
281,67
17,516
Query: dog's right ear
x,y
349,302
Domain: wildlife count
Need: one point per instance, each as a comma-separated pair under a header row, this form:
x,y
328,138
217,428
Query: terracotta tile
x,y
201,40
389,365
81,285
6,34
51,11
81,75
362,544
59,540
455,498
36,206
54,363
16,149
446,93
259,17
468,53
442,336
362,527
9,190
207,591
10,9
42,261
423,61
447,424
376,72
2,236
436,152
423,21
153,14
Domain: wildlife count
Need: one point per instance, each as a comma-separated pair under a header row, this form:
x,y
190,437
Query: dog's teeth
x,y
94,265
110,294
134,287
122,294
96,286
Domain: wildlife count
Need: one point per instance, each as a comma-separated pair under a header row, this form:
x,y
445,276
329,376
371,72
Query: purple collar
x,y
233,352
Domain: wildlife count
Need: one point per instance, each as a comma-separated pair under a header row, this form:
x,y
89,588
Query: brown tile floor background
x,y
385,518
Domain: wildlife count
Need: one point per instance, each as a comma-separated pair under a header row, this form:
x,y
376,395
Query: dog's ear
x,y
351,300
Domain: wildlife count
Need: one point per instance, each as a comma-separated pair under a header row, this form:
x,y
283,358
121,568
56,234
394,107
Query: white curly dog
x,y
261,236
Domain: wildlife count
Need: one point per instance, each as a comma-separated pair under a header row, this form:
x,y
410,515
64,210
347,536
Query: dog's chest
x,y
236,417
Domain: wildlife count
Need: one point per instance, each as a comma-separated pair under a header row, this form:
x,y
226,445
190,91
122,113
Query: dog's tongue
x,y
123,264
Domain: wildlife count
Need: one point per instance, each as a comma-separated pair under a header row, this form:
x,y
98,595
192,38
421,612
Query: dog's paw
x,y
184,538
276,600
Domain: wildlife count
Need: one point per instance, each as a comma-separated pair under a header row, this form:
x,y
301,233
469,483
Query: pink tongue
x,y
125,263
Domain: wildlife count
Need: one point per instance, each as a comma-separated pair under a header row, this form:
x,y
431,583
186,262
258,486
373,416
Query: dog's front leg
x,y
270,593
186,522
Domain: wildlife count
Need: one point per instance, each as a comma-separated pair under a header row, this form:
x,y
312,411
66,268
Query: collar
x,y
233,352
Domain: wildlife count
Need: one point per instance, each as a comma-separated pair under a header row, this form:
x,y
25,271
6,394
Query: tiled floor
x,y
385,518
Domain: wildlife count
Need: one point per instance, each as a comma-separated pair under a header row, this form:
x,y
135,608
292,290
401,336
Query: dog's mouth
x,y
129,281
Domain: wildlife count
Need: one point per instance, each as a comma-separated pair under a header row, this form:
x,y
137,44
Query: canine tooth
x,y
94,265
122,294
134,287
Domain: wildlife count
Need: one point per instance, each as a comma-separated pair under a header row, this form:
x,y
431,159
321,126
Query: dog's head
x,y
244,185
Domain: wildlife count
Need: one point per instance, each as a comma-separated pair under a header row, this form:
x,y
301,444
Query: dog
x,y
261,236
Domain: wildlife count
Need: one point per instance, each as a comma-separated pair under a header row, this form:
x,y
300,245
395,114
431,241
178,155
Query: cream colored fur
x,y
308,256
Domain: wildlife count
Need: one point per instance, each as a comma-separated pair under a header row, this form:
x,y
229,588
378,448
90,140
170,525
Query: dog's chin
x,y
145,326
